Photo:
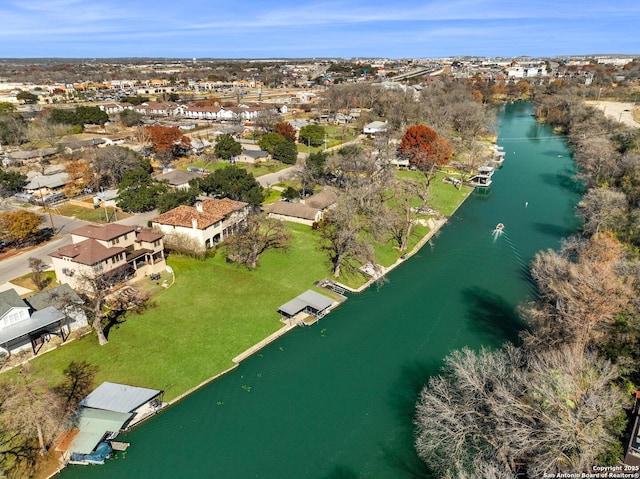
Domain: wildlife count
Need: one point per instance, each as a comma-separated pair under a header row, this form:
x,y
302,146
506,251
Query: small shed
x,y
309,302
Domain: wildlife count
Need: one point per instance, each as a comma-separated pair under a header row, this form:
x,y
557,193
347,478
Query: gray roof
x,y
94,424
119,397
255,153
316,301
376,125
39,319
59,297
322,199
47,181
177,177
28,154
294,210
10,299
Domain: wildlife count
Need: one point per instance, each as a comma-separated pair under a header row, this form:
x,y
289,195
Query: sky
x,y
317,28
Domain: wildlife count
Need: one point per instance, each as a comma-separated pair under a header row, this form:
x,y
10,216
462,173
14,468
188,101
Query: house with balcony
x,y
202,226
111,249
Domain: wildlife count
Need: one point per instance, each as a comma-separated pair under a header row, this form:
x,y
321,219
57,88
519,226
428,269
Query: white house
x,y
201,226
375,128
24,326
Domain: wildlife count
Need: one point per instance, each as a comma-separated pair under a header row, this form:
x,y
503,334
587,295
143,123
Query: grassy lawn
x,y
273,196
443,197
213,312
26,281
256,170
97,215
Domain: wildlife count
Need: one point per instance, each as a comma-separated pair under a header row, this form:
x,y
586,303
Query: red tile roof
x,y
212,212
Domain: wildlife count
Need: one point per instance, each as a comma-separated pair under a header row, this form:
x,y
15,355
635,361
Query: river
x,y
336,400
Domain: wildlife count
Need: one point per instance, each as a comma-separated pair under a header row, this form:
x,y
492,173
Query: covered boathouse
x,y
107,410
309,302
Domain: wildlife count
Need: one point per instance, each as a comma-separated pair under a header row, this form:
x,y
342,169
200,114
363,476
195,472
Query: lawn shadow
x,y
404,395
114,320
489,314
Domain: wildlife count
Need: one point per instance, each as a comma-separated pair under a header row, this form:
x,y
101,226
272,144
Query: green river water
x,y
336,400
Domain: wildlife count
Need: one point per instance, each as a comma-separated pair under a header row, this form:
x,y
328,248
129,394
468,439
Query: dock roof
x,y
94,424
309,299
119,397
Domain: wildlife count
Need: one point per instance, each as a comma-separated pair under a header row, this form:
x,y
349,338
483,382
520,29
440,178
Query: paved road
x,y
15,266
272,178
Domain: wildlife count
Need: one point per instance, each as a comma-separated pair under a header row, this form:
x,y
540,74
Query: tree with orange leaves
x,y
168,140
424,148
285,129
583,289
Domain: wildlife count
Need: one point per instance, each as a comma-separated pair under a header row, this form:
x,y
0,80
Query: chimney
x,y
194,223
199,206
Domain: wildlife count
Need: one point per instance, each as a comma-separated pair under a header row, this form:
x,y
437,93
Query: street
x,y
16,266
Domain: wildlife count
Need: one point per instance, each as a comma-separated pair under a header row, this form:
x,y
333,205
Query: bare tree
x,y
267,119
603,209
598,159
42,133
111,163
257,235
407,199
582,289
342,237
100,299
30,408
512,412
37,267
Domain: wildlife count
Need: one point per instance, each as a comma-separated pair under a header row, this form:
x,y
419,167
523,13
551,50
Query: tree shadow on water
x,y
341,472
565,179
489,314
404,395
555,231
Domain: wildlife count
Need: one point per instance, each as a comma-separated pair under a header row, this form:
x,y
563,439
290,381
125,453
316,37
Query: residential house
x,y
252,156
201,226
22,327
321,200
375,128
45,185
198,145
32,156
178,179
307,211
64,299
115,139
295,212
108,249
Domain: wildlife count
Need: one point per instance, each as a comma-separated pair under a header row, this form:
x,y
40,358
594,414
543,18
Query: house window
x,y
125,237
115,241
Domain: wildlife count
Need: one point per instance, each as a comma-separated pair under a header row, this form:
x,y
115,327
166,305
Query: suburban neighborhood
x,y
164,224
